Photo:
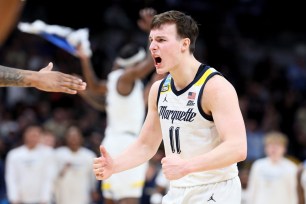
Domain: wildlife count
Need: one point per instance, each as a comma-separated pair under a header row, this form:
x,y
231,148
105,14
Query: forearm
x,y
145,67
16,77
97,102
90,75
135,155
222,156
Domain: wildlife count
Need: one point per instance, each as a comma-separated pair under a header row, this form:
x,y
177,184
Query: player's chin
x,y
160,71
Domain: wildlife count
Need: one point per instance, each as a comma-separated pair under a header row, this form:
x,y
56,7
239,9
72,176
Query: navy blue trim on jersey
x,y
202,69
206,116
159,89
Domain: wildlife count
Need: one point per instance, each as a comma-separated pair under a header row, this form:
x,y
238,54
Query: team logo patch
x,y
165,88
166,85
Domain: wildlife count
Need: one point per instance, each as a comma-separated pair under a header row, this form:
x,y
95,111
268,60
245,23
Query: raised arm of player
x,y
95,84
145,67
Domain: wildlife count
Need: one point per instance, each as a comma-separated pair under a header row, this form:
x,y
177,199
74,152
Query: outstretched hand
x,y
55,81
103,166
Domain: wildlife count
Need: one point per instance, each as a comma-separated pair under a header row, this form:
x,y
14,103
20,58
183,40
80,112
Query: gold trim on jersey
x,y
167,84
203,78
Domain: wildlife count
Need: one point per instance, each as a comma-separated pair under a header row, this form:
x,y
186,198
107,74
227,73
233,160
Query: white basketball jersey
x,y
125,114
187,130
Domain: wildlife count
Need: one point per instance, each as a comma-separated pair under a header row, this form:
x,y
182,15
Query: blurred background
x,y
258,45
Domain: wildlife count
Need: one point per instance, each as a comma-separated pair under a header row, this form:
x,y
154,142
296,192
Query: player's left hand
x,y
173,167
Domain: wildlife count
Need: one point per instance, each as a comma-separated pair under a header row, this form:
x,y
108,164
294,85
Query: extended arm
x,y
140,151
45,79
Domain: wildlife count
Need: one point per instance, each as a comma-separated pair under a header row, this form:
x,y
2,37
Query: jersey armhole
x,y
206,116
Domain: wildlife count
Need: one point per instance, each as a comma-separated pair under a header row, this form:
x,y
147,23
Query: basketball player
x,y
125,110
195,111
45,79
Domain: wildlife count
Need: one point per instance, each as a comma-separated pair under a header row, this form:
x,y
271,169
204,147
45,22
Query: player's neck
x,y
185,73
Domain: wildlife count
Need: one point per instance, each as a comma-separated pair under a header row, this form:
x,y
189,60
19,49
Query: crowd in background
x,y
263,58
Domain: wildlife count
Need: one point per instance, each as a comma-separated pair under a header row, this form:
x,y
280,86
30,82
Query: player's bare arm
x,y
45,79
12,77
94,83
139,71
229,123
143,68
137,153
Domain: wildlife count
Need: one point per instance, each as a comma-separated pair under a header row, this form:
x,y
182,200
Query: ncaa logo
x,y
165,88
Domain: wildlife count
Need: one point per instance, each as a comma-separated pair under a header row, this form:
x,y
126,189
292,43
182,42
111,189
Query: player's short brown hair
x,y
186,26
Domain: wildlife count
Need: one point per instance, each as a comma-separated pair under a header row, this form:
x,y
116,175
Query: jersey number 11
x,y
175,137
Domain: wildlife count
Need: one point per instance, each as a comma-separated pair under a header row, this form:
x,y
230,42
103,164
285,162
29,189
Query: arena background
x,y
259,45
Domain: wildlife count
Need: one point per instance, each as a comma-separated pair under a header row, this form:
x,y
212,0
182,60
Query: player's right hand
x,y
103,166
55,81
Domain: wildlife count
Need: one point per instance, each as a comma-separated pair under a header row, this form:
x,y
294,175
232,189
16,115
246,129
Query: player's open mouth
x,y
157,60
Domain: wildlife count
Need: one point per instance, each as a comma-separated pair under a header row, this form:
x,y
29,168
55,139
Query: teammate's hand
x,y
103,166
54,81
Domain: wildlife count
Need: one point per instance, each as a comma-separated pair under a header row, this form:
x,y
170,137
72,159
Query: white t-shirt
x,y
273,183
30,174
76,180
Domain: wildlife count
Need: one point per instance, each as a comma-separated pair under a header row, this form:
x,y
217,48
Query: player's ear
x,y
185,44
